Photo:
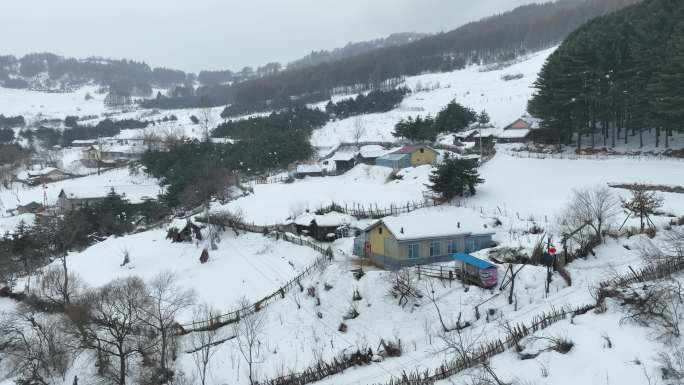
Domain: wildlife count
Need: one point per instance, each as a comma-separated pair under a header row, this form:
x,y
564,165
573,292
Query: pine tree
x,y
454,177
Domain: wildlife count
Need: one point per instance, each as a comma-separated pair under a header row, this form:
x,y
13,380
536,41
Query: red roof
x,y
520,124
408,149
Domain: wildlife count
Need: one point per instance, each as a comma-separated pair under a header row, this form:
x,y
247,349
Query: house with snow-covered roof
x,y
323,227
408,156
68,201
423,237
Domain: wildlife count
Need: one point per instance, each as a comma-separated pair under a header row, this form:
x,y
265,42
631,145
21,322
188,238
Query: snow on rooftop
x,y
343,156
514,134
374,151
332,219
437,222
309,168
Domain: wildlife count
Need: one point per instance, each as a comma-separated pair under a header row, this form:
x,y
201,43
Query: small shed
x,y
344,161
312,170
325,227
476,270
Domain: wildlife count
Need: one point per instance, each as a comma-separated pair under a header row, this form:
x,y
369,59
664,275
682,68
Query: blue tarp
x,y
470,260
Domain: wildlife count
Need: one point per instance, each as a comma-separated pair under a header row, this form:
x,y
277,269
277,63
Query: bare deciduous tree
x,y
33,347
359,129
113,326
596,206
249,333
206,121
166,300
203,343
59,286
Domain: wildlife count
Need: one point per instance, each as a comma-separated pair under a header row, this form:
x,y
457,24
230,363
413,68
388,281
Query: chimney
x,y
458,224
402,230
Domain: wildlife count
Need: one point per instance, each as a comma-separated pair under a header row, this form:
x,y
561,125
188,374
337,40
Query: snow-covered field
x,y
364,185
541,187
250,265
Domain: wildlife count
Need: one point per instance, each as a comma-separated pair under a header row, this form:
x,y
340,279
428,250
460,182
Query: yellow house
x,y
408,156
424,236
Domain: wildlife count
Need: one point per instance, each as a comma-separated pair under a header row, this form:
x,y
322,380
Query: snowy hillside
x,y
340,303
472,87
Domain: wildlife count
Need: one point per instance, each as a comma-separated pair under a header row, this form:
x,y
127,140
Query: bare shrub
x,y
659,305
672,363
356,296
391,348
352,313
403,286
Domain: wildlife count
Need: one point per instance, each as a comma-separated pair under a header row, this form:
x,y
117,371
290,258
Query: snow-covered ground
x,y
40,105
541,187
505,101
250,265
364,185
134,187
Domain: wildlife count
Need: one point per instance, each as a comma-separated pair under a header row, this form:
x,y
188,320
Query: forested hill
x,y
623,72
353,49
524,29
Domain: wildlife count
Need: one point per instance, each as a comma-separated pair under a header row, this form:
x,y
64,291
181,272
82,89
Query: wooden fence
x,y
478,355
599,156
487,350
373,211
651,272
237,315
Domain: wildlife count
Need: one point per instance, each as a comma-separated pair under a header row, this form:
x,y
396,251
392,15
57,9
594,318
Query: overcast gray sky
x,y
220,34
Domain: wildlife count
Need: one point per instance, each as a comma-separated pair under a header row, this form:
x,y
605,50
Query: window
x,y
471,245
422,150
414,250
435,248
379,230
452,246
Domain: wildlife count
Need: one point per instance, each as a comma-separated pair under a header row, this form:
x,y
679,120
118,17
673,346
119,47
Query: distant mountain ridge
x,y
353,49
48,71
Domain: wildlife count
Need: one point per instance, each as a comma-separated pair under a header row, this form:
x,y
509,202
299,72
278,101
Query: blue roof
x,y
470,260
